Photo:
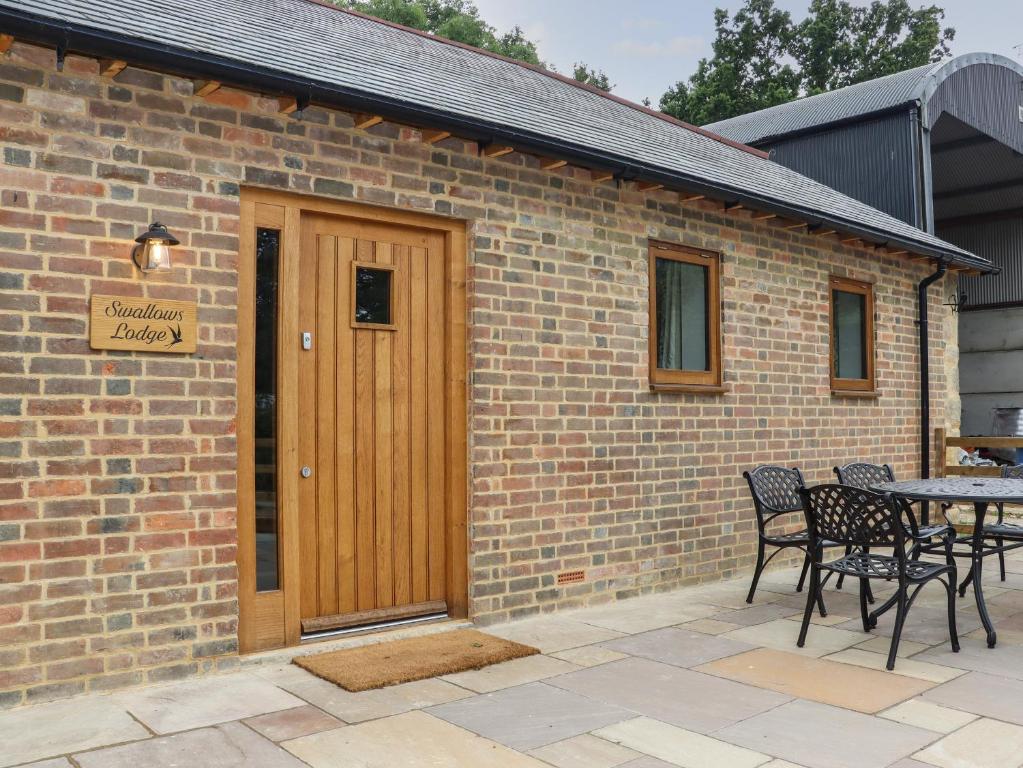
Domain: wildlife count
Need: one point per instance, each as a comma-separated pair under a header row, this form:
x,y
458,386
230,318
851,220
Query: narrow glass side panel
x,y
267,559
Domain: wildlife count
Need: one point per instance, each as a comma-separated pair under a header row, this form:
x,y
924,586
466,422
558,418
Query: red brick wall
x,y
117,504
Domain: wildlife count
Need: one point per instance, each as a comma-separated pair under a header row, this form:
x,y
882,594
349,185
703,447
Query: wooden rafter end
x,y
431,136
110,67
205,87
497,150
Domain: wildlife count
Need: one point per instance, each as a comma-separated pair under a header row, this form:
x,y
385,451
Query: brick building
x,y
470,338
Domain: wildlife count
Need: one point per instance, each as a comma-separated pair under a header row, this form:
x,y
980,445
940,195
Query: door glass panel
x,y
268,243
682,341
850,327
372,295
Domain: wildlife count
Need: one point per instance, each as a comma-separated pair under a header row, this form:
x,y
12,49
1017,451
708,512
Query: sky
x,y
660,41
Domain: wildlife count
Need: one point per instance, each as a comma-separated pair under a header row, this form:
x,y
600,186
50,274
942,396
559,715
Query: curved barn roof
x,y
322,54
913,86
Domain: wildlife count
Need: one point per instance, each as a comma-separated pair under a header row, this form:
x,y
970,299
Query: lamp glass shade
x,y
155,256
152,254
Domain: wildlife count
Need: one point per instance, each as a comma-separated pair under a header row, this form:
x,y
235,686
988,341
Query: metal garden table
x,y
979,491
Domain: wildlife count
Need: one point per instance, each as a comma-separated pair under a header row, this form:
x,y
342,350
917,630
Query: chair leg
x,y
802,573
966,582
870,592
953,634
1001,557
900,618
811,597
841,576
864,588
756,573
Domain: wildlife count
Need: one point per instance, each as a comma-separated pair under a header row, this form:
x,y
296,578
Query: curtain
x,y
681,315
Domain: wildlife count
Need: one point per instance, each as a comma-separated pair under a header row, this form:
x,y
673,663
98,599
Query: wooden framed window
x,y
852,335
685,318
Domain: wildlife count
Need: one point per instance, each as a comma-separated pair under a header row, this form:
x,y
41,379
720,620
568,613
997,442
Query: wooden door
x,y
371,421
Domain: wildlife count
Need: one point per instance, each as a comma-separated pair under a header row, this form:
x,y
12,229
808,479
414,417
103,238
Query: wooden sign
x,y
145,325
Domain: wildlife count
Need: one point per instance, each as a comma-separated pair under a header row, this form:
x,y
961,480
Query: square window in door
x,y
372,296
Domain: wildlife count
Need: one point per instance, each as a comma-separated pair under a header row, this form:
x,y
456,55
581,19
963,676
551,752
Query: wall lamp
x,y
152,254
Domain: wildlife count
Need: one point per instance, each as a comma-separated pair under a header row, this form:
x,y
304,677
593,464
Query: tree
x,y
595,77
839,44
761,58
745,72
457,20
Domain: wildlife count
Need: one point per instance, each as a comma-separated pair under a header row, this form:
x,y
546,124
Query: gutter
x,y
193,64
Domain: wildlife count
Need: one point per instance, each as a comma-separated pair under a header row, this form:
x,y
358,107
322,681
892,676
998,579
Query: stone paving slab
x,y
982,694
932,717
643,614
230,745
933,673
821,736
530,716
410,740
781,634
510,673
680,747
292,723
691,700
585,751
981,744
678,647
1005,659
207,701
62,727
829,682
588,655
551,634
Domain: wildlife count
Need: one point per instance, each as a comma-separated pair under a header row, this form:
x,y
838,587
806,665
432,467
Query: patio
x,y
693,678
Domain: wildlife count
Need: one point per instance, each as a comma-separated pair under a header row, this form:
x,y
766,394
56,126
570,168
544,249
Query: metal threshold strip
x,y
312,637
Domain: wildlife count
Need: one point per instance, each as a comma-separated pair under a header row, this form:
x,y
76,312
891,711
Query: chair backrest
x,y
1013,473
863,475
848,515
775,491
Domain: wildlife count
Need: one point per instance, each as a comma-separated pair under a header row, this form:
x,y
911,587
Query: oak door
x,y
371,422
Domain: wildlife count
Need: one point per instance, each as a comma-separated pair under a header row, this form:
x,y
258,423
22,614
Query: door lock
x,y
306,472
307,340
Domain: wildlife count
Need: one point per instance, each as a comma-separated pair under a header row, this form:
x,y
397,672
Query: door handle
x,y
306,472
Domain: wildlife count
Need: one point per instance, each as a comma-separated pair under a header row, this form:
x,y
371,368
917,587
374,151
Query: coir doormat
x,y
413,658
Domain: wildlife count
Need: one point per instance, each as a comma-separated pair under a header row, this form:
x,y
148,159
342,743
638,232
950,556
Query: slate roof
x,y
850,103
323,50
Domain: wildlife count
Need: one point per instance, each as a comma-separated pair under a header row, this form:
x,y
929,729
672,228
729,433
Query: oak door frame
x,y
272,619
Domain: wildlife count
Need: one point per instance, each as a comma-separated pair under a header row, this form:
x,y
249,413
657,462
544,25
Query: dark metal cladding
x,y
1000,241
306,49
873,161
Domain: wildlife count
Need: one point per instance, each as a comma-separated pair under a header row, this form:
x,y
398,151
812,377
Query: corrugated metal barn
x,y
940,147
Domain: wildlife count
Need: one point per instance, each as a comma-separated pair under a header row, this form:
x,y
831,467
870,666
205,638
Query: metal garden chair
x,y
1001,531
862,520
775,492
864,475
